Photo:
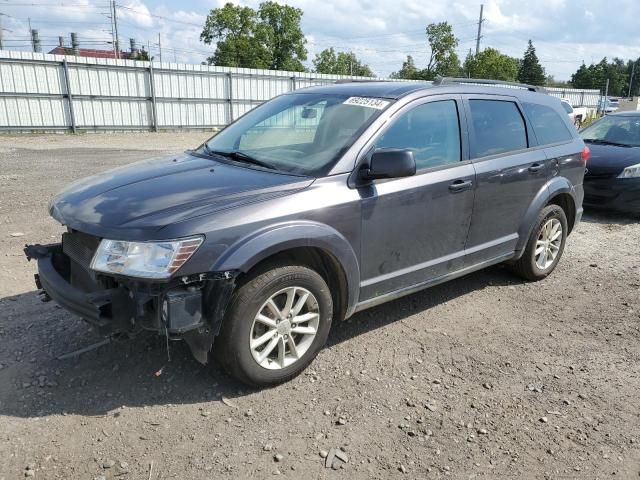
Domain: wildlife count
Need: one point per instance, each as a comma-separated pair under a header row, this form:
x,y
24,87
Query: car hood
x,y
610,159
152,194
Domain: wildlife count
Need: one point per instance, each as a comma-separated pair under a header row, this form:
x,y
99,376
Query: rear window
x,y
498,126
547,124
567,108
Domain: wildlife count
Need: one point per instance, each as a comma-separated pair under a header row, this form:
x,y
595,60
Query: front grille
x,y
80,247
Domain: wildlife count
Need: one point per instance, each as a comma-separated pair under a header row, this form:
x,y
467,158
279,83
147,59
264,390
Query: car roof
x,y
397,89
383,89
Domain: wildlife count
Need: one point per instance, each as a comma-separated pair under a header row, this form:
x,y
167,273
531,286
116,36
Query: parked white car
x,y
576,114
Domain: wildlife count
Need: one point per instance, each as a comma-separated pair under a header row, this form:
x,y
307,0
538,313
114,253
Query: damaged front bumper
x,y
191,308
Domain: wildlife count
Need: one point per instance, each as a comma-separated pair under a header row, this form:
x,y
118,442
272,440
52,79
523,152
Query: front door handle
x,y
460,185
536,167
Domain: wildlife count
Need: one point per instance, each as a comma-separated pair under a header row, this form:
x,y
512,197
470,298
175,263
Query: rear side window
x,y
498,126
547,124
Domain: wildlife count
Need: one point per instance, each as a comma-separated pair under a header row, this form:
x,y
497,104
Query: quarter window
x,y
547,124
430,130
498,126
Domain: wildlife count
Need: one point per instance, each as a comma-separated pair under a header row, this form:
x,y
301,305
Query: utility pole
x,y
479,30
633,71
115,28
160,47
606,94
30,34
113,33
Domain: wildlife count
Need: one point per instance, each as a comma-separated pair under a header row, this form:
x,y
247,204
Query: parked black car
x,y
315,205
612,180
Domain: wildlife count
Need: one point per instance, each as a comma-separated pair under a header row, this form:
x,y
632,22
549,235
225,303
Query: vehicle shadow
x,y
138,372
607,217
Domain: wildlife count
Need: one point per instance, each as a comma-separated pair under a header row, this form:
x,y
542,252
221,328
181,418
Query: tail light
x,y
586,153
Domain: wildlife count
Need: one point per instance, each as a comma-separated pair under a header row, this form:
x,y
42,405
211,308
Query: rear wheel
x,y
275,326
545,245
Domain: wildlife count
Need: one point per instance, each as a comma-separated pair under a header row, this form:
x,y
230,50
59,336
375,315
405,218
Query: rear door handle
x,y
460,185
536,167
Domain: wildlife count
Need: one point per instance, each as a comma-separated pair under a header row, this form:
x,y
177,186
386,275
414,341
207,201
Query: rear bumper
x,y
621,194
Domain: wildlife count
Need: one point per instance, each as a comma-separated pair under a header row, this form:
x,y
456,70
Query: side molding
x,y
250,250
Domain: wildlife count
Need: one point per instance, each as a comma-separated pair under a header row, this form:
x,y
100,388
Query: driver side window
x,y
430,130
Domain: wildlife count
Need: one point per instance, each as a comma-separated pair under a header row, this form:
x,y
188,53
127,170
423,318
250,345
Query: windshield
x,y
302,133
615,130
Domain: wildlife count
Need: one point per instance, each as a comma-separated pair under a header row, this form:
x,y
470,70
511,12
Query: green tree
x,y
635,81
408,71
491,64
443,59
595,76
268,38
280,34
232,28
530,70
340,63
141,55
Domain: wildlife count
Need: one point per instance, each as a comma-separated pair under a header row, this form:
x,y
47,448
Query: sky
x,y
380,32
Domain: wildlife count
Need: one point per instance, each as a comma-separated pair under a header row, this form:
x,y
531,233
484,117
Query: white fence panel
x,y
49,92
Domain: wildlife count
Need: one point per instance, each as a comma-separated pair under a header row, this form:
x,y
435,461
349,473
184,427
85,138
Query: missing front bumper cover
x,y
188,307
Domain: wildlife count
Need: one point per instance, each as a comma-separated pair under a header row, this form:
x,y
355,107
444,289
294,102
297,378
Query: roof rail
x,y
480,81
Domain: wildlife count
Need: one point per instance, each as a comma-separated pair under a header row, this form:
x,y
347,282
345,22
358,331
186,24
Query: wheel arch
x,y
556,191
312,244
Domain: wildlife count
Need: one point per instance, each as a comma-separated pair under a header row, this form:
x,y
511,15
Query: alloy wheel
x,y
548,243
284,328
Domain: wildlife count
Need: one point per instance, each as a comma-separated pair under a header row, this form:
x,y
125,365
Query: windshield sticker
x,y
376,103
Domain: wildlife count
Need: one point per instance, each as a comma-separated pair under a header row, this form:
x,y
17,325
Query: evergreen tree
x,y
530,70
409,71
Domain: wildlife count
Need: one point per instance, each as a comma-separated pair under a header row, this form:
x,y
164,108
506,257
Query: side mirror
x,y
389,163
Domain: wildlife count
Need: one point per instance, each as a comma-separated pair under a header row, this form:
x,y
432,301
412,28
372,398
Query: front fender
x,y
252,249
553,187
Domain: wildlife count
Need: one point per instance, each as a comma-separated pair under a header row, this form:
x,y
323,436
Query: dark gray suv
x,y
313,206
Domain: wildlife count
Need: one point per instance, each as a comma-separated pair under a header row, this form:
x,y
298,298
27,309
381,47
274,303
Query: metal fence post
x,y
72,114
293,83
154,108
230,85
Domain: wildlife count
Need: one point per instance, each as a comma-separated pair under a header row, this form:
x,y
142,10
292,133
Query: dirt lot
x,y
485,377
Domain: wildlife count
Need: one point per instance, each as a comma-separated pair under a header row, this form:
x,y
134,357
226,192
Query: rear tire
x,y
545,245
276,324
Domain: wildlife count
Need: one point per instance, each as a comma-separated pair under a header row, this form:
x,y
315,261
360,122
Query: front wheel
x,y
277,323
545,245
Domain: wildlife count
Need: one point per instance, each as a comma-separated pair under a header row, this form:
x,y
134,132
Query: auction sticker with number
x,y
368,102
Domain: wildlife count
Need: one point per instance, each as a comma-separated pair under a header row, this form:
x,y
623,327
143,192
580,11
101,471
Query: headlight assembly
x,y
632,171
157,260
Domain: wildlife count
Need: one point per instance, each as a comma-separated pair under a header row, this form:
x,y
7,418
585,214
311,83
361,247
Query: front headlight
x,y
157,260
632,171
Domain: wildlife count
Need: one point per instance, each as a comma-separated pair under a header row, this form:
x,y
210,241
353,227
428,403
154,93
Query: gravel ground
x,y
483,377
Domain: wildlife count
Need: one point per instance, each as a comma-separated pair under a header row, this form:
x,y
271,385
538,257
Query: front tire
x,y
545,245
276,324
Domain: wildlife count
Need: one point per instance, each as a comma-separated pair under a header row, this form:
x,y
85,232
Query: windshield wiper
x,y
602,141
238,156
